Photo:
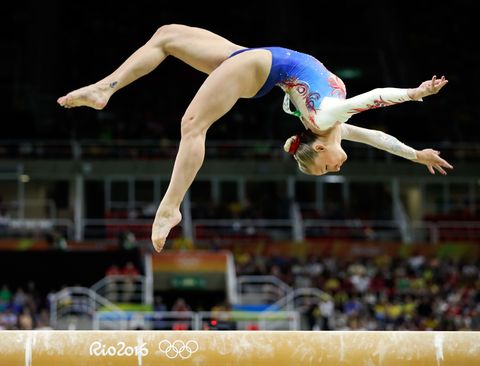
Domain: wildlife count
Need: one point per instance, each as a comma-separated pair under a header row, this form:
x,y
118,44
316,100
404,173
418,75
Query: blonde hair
x,y
305,153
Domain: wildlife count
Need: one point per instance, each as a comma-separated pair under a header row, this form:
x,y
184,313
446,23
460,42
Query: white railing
x,y
231,280
353,228
129,320
269,320
29,209
77,302
34,227
235,230
262,320
298,299
31,217
122,288
261,289
110,228
227,231
232,230
202,320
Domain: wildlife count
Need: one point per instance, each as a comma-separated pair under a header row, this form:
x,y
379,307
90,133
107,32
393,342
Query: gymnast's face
x,y
330,158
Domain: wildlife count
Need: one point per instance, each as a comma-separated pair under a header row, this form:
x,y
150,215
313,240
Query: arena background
x,y
383,245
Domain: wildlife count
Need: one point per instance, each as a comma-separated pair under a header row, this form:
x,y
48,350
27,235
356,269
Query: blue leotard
x,y
292,69
317,94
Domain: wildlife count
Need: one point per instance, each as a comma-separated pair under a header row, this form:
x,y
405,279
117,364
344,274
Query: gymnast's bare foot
x,y
94,96
164,221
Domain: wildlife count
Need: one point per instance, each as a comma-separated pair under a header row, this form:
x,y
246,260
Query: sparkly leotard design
x,y
317,94
301,73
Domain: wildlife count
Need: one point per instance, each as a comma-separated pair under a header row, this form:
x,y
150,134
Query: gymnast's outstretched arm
x,y
340,110
429,157
383,97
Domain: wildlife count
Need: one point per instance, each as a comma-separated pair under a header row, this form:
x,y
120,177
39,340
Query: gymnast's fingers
x,y
440,169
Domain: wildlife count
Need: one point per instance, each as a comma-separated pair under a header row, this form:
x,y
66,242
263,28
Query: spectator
x,y
5,297
181,306
42,320
312,314
25,320
158,304
8,320
19,300
327,312
158,319
409,294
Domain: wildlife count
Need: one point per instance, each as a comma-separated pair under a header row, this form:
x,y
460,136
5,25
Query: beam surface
x,y
229,348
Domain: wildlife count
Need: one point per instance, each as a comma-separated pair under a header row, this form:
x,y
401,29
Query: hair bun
x,y
291,145
288,143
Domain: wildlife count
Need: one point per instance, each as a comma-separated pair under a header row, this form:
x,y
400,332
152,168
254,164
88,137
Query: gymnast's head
x,y
314,155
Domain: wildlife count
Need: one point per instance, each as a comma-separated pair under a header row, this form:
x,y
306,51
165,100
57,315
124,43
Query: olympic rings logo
x,y
178,348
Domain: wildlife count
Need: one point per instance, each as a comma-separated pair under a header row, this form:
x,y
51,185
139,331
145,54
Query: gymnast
x,y
317,95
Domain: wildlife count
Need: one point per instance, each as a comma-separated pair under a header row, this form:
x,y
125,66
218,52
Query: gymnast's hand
x,y
427,88
431,158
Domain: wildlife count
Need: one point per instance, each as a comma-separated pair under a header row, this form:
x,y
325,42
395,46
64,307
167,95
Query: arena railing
x,y
124,288
201,320
55,230
228,231
261,289
299,299
226,149
71,304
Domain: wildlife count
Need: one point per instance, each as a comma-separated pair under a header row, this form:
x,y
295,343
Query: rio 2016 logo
x,y
175,349
120,349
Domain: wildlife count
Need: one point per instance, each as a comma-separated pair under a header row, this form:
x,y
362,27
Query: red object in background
x,y
130,270
113,270
253,327
180,326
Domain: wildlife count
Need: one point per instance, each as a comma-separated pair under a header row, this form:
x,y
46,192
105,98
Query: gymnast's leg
x,y
239,77
197,47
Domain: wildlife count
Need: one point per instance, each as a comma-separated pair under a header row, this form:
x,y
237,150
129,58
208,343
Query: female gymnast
x,y
235,72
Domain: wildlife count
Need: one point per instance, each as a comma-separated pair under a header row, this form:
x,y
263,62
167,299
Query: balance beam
x,y
229,348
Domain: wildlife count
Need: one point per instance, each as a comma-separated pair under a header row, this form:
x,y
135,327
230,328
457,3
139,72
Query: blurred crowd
x,y
23,308
381,293
377,293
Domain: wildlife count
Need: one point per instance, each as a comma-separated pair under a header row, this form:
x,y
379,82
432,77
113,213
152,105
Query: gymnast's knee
x,y
192,126
167,34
